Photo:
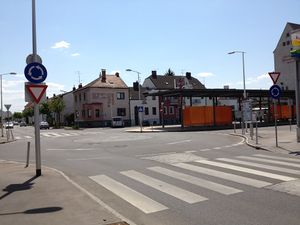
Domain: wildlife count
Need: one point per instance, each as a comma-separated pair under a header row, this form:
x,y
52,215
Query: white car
x,y
9,125
117,122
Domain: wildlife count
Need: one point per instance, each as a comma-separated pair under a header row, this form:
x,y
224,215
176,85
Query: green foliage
x,y
169,72
17,115
28,112
45,109
56,104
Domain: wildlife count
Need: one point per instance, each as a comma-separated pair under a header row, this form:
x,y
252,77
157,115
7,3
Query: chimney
x,y
80,85
103,75
117,74
188,75
74,88
154,74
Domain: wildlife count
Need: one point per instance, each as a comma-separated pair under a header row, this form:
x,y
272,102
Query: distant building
x,y
282,59
150,114
170,107
97,102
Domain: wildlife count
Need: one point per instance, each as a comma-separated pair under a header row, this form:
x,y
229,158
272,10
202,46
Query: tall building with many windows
x,y
282,59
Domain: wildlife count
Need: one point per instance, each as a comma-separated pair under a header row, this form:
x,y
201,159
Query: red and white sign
x,y
274,76
36,91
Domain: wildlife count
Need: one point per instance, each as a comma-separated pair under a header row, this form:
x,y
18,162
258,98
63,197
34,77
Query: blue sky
x,y
184,35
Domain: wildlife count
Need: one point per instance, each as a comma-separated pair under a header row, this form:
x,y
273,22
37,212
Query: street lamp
x,y
244,83
2,74
140,113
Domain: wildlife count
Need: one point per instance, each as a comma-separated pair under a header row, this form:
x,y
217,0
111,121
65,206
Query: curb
x,y
249,144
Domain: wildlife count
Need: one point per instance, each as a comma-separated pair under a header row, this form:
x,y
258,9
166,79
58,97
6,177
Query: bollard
x,y
251,130
28,152
290,121
256,134
12,135
234,126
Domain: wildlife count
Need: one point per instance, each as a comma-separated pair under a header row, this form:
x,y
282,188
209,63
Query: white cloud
x,y
259,82
205,74
61,44
75,54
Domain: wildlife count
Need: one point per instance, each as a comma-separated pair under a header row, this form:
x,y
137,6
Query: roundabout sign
x,y
35,72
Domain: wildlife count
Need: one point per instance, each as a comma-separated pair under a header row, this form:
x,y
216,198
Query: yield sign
x,y
274,76
36,91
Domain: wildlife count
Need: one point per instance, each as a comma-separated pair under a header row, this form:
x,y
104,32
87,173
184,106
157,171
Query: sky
x,y
78,38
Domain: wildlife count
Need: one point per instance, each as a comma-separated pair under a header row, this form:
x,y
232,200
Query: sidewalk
x,y
48,199
287,140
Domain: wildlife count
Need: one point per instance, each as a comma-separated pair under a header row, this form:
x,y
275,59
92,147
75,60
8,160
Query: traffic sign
x,y
35,72
7,107
141,108
275,91
274,76
36,91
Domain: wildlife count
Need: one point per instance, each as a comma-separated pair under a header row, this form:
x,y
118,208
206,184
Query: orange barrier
x,y
204,116
283,111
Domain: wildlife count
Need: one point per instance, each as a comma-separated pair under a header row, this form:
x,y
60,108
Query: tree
x,y
45,110
28,112
169,72
57,105
17,115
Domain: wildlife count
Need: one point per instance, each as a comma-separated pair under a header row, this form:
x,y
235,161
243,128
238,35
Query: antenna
x,y
78,73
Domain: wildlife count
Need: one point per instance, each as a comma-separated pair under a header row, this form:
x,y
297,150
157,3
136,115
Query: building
x,y
284,63
170,107
150,104
97,102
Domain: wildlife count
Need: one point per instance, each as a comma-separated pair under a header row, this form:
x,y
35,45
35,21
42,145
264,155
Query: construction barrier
x,y
207,116
284,112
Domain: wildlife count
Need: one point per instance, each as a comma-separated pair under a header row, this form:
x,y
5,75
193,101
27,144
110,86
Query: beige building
x,y
282,59
97,102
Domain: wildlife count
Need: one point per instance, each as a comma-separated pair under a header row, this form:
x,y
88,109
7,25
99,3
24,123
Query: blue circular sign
x,y
275,91
35,72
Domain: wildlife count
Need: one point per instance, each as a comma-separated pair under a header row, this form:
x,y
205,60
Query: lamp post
x,y
140,113
244,84
11,73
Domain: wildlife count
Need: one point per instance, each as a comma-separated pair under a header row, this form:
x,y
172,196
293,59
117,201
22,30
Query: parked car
x,y
117,122
16,122
9,125
23,124
44,125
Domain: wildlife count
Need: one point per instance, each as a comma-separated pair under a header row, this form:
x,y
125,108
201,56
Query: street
x,y
178,178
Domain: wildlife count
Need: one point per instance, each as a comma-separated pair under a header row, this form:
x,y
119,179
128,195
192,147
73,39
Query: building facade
x,y
97,102
283,62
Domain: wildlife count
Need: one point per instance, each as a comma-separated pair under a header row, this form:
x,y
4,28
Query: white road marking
x,y
162,186
223,175
276,168
84,159
190,151
276,157
66,134
140,201
71,149
216,148
18,138
178,142
197,181
205,150
246,170
28,137
270,161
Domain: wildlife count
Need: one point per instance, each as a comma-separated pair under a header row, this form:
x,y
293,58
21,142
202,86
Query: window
x,y
75,98
153,110
288,43
84,97
165,110
76,114
121,111
171,110
146,111
120,95
153,97
89,111
97,112
83,113
283,43
80,97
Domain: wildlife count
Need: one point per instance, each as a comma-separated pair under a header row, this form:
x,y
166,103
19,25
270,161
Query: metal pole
x,y
298,99
28,154
140,113
36,106
275,118
1,108
244,78
256,134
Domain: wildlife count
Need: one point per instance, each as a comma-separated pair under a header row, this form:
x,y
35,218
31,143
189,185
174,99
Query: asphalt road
x,y
178,178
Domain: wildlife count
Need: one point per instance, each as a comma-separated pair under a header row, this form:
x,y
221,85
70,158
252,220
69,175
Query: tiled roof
x,y
134,95
294,26
168,82
111,81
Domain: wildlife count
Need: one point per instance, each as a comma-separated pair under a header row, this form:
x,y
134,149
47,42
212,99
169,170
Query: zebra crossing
x,y
50,135
276,169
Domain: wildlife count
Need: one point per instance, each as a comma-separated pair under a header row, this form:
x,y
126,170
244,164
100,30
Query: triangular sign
x,y
37,91
274,76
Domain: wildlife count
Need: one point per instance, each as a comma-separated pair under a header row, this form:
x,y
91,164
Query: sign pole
x,y
36,105
298,99
275,118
